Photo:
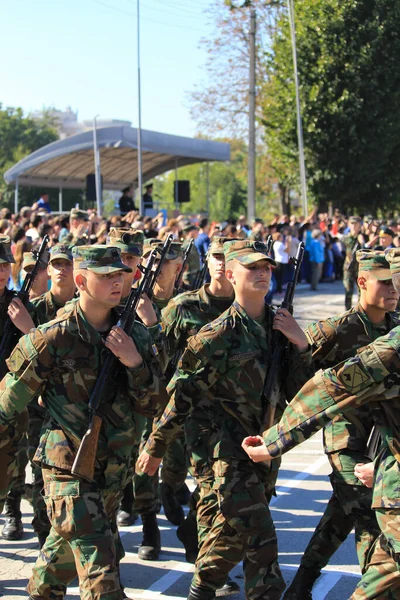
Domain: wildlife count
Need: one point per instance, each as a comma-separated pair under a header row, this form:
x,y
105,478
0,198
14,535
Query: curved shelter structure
x,y
66,163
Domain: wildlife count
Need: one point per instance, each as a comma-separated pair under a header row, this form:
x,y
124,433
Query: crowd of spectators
x,y
322,235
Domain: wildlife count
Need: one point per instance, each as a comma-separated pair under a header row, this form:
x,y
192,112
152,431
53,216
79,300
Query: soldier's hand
x,y
285,322
147,464
123,347
20,316
365,473
146,311
254,446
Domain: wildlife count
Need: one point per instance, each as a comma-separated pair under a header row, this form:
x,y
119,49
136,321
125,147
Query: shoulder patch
x,y
353,376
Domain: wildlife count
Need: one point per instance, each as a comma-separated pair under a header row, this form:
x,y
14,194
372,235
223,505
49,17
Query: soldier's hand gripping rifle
x,y
162,255
271,392
85,460
178,281
11,333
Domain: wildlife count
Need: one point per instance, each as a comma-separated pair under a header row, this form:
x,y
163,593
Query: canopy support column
x,y
60,199
16,196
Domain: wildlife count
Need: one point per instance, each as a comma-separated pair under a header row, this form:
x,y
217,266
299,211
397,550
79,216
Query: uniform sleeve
x,y
195,375
351,384
321,336
29,366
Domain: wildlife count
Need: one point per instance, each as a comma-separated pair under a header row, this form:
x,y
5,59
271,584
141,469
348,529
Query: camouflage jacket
x,y
332,341
187,313
61,361
45,308
220,378
372,376
350,244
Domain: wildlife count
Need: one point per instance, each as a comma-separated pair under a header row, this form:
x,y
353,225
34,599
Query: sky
x,y
83,54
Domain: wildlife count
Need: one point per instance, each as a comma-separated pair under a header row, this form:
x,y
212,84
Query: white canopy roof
x,y
66,163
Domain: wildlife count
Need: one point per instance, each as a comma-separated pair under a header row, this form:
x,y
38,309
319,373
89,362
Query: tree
x,y
349,73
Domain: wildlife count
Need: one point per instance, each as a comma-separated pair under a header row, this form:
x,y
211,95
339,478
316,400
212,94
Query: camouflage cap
x,y
129,241
375,263
6,256
217,244
386,231
247,252
99,259
354,219
29,260
61,251
175,250
187,225
77,213
393,258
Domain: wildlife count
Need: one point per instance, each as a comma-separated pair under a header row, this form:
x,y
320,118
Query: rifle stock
x,y
85,460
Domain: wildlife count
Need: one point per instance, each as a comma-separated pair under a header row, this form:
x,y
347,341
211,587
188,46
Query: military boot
x,y
302,584
187,534
151,543
230,587
13,529
172,508
200,593
125,515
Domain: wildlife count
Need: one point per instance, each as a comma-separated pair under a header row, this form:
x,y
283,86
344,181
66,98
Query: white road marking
x,y
296,481
165,582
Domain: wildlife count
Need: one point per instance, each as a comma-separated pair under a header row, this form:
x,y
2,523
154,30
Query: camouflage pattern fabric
x,y
45,308
350,268
218,382
10,440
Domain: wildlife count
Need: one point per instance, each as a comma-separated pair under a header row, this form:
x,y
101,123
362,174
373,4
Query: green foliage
x,y
349,71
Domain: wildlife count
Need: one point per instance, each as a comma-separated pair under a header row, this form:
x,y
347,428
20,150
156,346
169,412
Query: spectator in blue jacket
x,y
202,241
317,257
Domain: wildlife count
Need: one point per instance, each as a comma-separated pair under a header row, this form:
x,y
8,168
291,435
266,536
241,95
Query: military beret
x,y
99,259
29,260
175,250
393,258
375,263
77,213
127,240
386,231
6,256
247,252
61,251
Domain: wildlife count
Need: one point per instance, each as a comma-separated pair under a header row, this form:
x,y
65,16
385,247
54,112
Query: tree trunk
x,y
284,200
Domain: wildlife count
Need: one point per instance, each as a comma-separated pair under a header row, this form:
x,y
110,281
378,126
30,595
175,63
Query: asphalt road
x,y
303,491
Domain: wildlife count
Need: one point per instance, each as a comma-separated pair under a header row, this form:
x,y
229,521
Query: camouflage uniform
x,y
219,382
350,266
61,361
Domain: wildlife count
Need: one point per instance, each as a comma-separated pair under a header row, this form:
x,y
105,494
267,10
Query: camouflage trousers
x,y
381,579
174,468
83,540
40,522
349,507
10,441
349,282
241,528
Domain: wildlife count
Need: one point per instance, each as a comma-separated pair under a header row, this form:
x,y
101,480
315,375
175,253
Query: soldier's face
x,y
5,272
132,261
60,271
250,279
216,266
104,289
385,240
379,294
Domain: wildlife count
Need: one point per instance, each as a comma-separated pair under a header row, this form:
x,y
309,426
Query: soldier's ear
x,y
362,282
80,280
230,275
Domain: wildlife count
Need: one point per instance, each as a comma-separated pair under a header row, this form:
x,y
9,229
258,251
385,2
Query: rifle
x,y
373,444
271,391
154,274
269,244
178,281
85,460
201,275
11,333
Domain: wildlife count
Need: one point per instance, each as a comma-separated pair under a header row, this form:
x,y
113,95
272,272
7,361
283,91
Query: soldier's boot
x,y
172,508
187,534
230,587
183,495
125,516
200,593
13,528
151,543
302,584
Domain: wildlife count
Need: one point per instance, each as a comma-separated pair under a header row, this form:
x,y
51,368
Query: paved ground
x,y
303,490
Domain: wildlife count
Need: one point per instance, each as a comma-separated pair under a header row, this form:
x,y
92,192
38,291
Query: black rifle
x,y
271,392
269,244
85,460
201,275
178,281
162,255
11,333
373,444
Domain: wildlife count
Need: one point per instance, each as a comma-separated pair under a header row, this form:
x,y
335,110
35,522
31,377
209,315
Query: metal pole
x,y
97,170
176,186
251,177
208,188
16,197
60,199
139,129
298,108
